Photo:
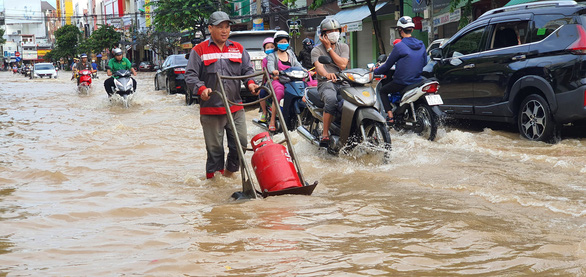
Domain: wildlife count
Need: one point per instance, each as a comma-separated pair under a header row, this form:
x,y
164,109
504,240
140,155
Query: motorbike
x,y
418,109
357,119
85,82
123,87
293,79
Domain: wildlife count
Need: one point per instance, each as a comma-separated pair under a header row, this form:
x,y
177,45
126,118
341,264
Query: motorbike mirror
x,y
324,59
370,65
381,58
436,54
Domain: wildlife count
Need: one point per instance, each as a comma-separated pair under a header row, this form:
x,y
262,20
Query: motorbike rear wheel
x,y
427,122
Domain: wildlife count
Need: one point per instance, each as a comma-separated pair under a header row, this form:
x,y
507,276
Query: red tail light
x,y
579,46
179,70
431,88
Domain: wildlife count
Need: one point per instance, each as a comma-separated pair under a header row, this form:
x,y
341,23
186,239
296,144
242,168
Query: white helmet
x,y
405,22
281,35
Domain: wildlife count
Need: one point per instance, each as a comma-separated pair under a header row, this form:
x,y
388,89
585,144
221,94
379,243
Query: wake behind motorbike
x,y
85,82
357,119
123,87
293,79
417,109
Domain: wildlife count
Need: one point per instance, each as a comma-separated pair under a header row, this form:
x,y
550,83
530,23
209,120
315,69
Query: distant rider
x,y
409,57
305,54
118,63
280,60
82,65
340,54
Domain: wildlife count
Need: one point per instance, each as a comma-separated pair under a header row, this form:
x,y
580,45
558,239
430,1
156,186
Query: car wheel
x,y
535,121
168,87
188,98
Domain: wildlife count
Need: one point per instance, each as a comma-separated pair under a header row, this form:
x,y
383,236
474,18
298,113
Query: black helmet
x,y
307,42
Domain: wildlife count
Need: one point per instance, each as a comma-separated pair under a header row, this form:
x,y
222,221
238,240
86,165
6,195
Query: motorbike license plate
x,y
434,99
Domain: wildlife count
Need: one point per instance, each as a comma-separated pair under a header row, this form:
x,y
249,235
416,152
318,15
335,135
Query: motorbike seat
x,y
314,98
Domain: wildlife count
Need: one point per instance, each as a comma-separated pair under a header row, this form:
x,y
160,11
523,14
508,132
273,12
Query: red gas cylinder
x,y
272,164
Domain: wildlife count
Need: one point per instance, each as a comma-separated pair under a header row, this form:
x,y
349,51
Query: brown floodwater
x,y
94,189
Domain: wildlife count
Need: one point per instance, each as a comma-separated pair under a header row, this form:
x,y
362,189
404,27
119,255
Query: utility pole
x,y
431,27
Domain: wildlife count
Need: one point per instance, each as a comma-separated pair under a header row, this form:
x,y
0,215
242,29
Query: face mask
x,y
334,37
270,51
283,46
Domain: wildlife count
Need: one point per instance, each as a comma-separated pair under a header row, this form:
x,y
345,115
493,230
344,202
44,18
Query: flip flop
x,y
324,141
390,121
272,128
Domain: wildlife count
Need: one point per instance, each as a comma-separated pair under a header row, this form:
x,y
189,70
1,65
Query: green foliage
x,y
105,37
466,12
67,41
173,16
2,40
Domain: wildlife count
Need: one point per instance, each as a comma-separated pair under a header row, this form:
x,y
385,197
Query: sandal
x,y
390,121
263,118
272,128
324,141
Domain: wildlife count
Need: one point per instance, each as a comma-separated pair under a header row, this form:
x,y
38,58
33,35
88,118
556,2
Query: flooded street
x,y
94,189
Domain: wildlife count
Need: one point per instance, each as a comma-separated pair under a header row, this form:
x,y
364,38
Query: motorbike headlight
x,y
357,78
298,74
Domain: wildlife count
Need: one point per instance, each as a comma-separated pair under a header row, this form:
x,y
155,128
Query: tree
x,y
162,43
2,40
371,7
105,37
173,16
67,39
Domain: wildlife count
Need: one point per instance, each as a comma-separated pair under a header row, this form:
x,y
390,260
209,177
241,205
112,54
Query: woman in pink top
x,y
280,60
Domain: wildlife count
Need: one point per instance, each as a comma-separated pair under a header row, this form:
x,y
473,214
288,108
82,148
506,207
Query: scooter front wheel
x,y
377,134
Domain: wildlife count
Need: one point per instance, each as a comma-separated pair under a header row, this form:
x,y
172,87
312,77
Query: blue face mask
x,y
283,46
270,51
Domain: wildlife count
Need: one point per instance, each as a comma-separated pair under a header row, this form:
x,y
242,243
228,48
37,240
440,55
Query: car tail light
x,y
579,46
179,70
431,88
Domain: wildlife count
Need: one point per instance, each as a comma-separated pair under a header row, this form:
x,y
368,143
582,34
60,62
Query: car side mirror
x,y
325,59
436,54
187,56
382,58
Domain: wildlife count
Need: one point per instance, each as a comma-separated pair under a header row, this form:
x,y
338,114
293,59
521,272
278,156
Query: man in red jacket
x,y
218,54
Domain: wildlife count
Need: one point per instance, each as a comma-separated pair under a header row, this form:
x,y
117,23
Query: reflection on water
x,y
97,189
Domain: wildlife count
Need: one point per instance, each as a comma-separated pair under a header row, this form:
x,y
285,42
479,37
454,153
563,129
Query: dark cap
x,y
219,17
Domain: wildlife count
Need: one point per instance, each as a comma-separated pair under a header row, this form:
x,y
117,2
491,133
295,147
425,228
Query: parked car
x,y
252,42
146,66
44,70
521,64
171,75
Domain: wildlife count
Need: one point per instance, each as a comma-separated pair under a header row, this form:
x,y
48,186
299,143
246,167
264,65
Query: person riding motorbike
x,y
305,54
82,65
268,46
340,54
118,63
409,58
280,60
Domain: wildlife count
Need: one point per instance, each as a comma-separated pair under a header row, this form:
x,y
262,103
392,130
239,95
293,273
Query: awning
x,y
516,2
352,18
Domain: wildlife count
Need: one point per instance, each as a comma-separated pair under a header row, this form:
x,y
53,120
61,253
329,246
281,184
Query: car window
x,y
180,60
466,44
44,67
166,63
547,24
251,42
509,34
